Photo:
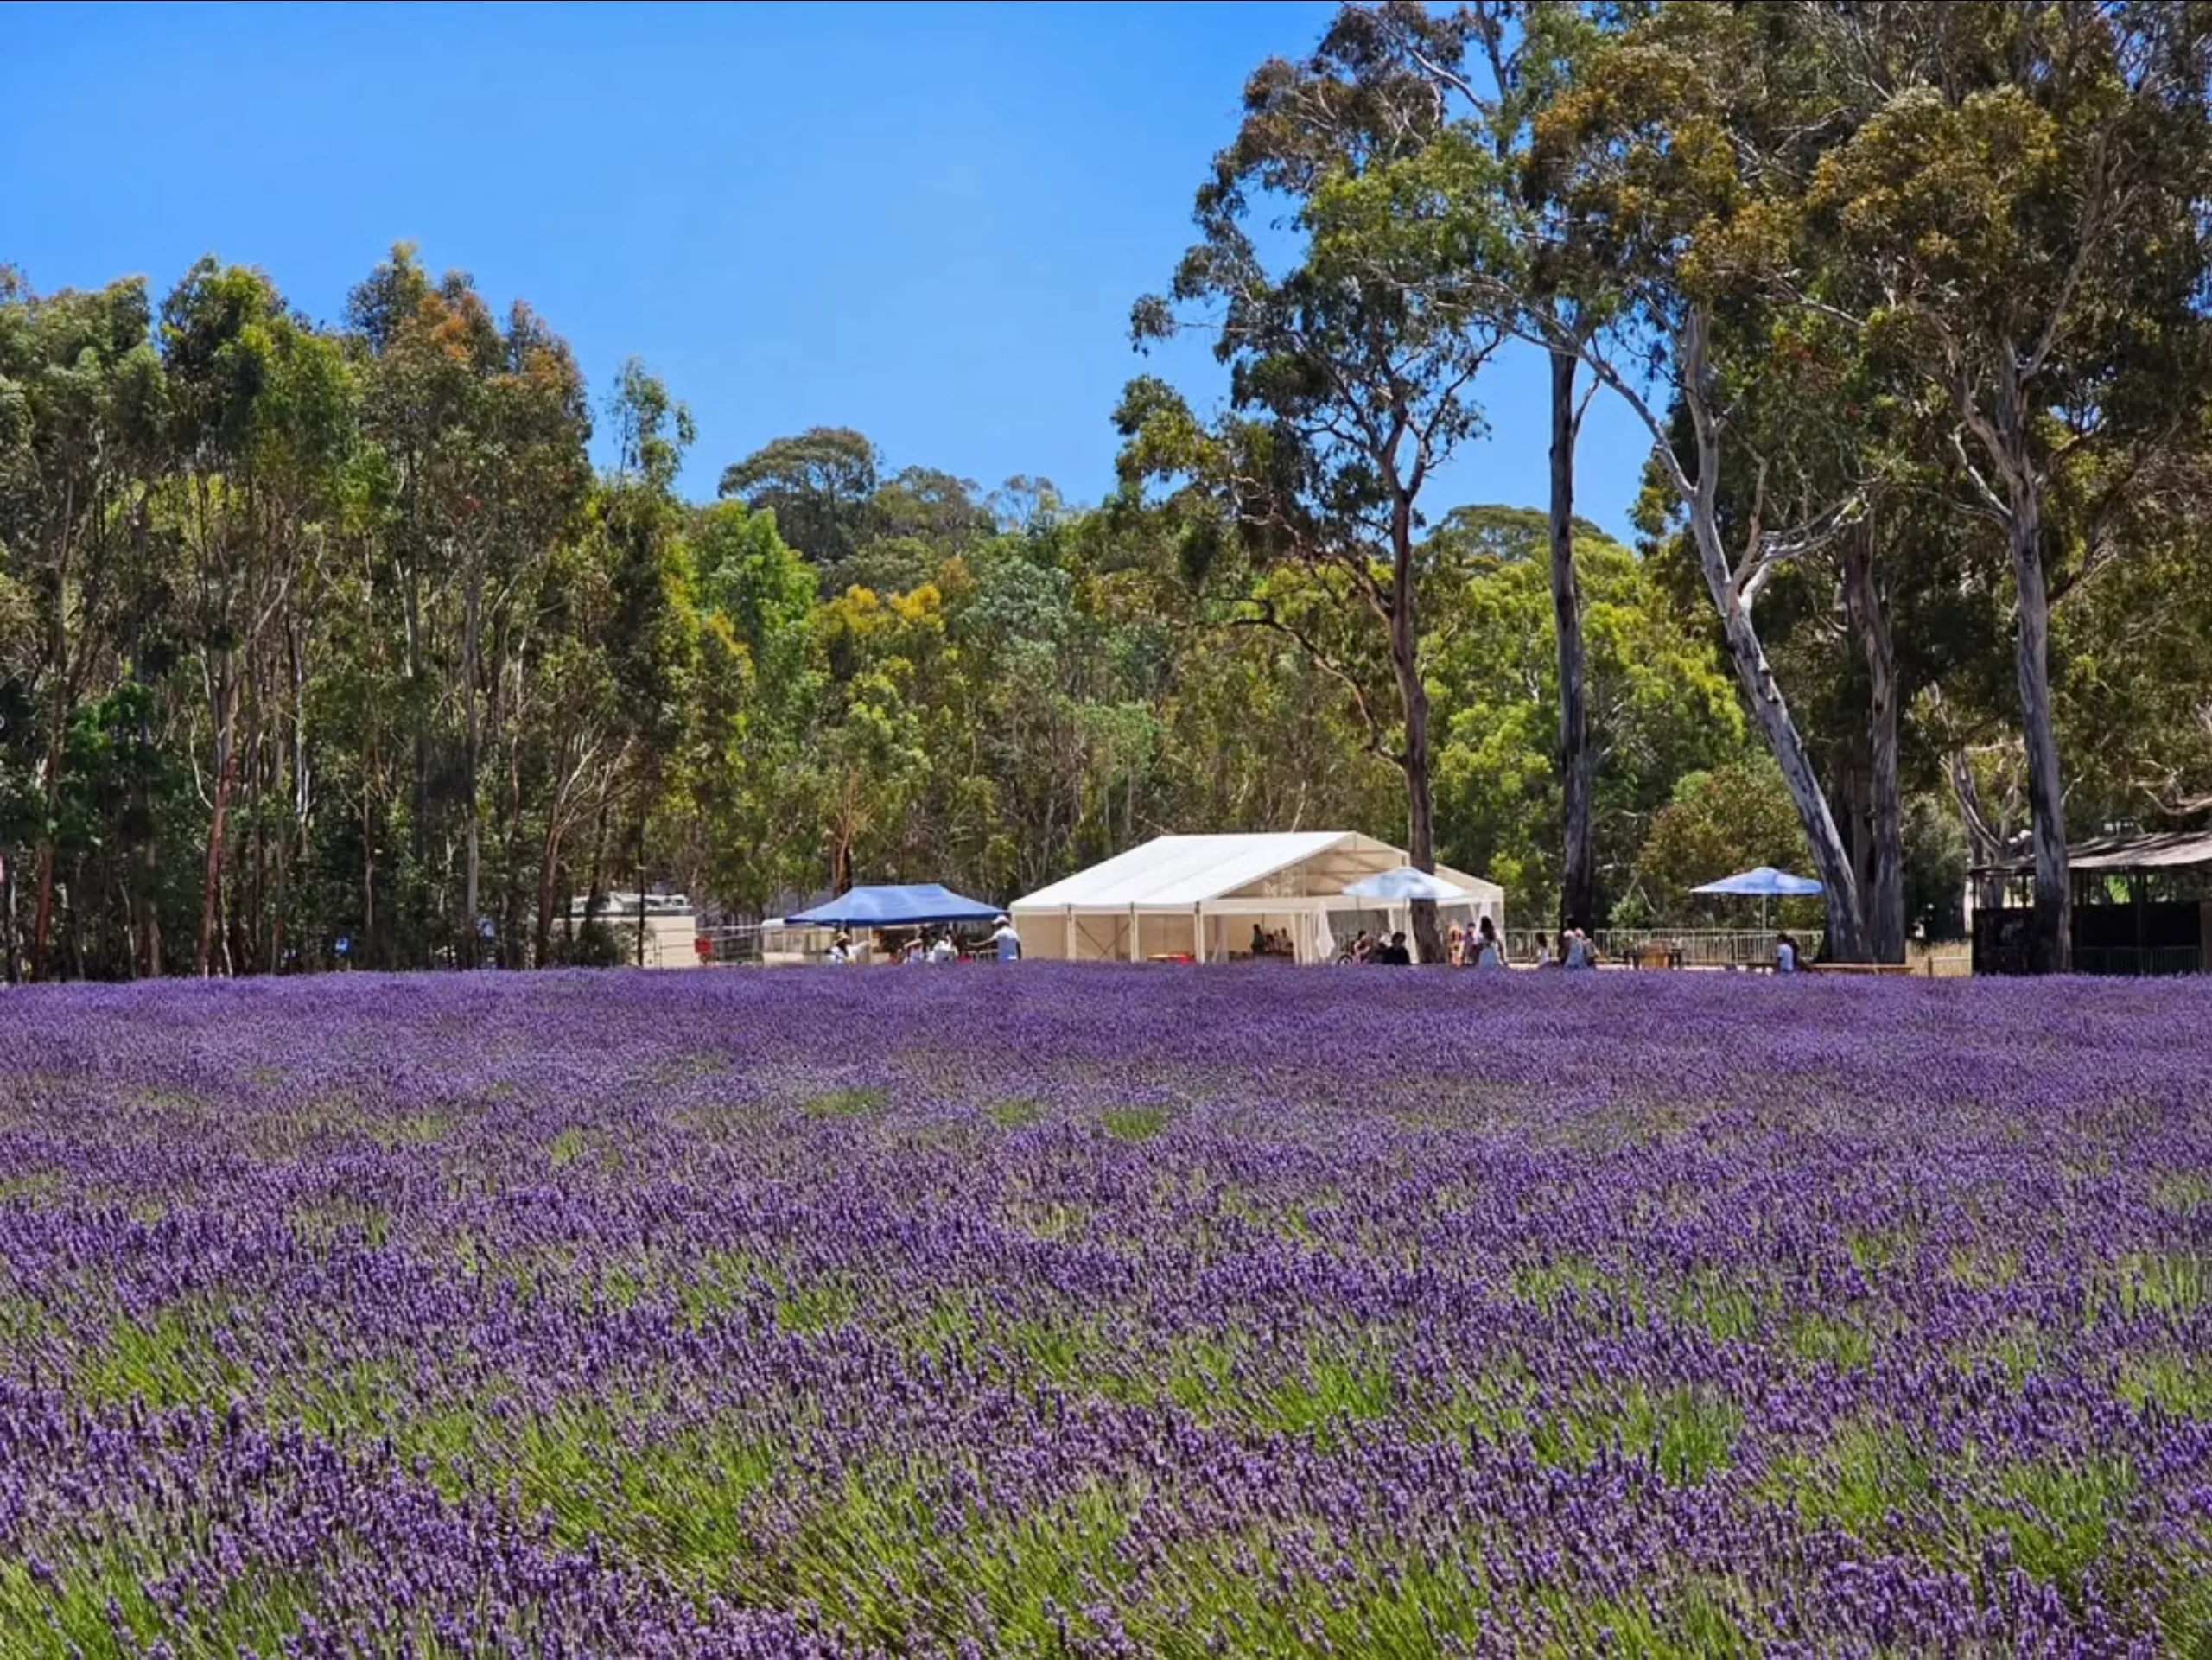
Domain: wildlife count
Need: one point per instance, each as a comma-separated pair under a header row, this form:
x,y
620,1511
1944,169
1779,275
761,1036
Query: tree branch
x,y
1271,619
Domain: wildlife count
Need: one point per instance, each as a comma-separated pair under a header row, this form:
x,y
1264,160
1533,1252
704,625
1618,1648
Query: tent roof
x,y
893,906
1177,872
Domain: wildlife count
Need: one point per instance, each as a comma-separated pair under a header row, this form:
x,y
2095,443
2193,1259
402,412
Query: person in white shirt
x,y
1578,949
840,951
943,951
1007,942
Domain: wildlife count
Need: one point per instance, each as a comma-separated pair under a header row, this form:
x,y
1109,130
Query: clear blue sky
x,y
924,222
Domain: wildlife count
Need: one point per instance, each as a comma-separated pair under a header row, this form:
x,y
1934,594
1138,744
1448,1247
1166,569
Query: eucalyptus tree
x,y
481,427
1681,152
820,484
1532,48
2019,221
261,417
1352,364
80,448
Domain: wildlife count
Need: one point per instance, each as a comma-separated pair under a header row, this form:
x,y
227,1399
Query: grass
x,y
1820,1338
2181,1192
1866,1475
1687,1433
166,1361
1546,1284
2059,1516
30,1185
2172,1380
413,1129
845,1103
2171,1282
1136,1123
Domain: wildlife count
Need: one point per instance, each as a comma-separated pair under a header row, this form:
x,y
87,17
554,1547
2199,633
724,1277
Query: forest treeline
x,y
322,632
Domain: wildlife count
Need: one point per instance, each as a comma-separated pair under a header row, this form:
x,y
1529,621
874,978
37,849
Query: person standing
x,y
1007,942
1396,953
1785,955
1489,954
1544,957
1577,948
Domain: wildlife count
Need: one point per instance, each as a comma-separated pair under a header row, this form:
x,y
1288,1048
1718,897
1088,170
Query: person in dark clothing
x,y
1395,952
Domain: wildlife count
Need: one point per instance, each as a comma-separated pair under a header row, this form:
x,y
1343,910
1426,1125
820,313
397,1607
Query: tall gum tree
x,y
1680,154
2020,213
1531,49
80,392
261,412
1351,367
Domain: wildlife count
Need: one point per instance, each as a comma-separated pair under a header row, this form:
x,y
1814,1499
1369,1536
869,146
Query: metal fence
x,y
736,944
1686,948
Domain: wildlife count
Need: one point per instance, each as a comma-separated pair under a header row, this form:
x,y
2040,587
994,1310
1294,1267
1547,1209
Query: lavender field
x,y
1105,1312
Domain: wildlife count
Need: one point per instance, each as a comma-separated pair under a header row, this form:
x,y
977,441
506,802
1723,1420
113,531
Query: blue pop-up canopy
x,y
1763,882
893,907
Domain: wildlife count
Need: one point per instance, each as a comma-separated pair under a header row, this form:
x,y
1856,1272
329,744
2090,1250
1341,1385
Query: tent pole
x,y
1135,955
1067,912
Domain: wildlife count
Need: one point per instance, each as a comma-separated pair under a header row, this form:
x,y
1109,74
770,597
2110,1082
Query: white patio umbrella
x,y
1765,882
1398,888
1404,885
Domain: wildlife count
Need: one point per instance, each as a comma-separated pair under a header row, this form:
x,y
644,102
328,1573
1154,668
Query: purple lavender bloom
x,y
1104,1312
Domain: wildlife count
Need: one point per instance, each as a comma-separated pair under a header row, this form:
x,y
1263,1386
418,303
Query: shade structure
x,y
1406,884
895,906
1202,896
1764,882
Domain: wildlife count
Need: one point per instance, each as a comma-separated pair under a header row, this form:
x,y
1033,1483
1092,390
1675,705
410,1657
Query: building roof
x,y
1179,872
2167,850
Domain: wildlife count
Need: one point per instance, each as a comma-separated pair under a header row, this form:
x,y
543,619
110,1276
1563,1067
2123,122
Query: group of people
x,y
1005,944
1390,950
1478,947
940,949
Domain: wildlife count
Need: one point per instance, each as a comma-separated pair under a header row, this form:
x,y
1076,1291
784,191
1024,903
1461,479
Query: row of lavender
x,y
1104,1312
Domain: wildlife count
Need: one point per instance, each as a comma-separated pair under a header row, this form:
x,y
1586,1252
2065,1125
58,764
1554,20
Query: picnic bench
x,y
1859,968
1655,956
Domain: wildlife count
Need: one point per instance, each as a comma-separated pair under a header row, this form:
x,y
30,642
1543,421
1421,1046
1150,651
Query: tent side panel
x,y
1043,934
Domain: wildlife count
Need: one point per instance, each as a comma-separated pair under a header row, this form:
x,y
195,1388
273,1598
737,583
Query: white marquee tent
x,y
1200,897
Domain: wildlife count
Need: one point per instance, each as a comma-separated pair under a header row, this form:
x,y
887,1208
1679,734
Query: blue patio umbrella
x,y
1763,882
